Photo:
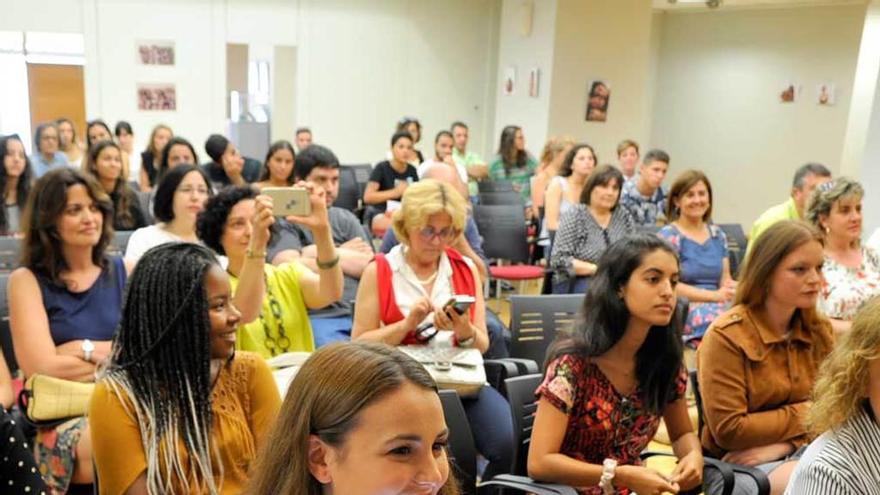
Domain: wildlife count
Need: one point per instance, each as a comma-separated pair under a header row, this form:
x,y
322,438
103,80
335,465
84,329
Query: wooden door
x,y
57,91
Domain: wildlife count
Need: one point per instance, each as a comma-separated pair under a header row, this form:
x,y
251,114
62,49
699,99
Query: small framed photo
x,y
598,94
508,86
826,94
161,96
790,92
155,52
534,81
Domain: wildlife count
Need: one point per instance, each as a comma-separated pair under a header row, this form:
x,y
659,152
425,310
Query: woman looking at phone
x,y
402,297
227,225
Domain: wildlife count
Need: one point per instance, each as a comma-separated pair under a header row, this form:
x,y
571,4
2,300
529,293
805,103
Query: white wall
x,y
523,53
716,105
361,67
608,40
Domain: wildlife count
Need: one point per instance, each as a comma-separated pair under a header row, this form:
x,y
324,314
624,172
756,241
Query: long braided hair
x,y
160,366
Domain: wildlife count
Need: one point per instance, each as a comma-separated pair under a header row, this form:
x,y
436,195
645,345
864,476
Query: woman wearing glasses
x,y
401,297
235,223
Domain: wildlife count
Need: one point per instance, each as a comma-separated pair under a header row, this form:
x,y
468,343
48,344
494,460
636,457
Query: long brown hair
x,y
42,245
325,399
121,195
765,255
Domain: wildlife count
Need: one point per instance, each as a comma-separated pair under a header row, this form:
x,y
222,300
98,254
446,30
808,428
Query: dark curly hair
x,y
212,220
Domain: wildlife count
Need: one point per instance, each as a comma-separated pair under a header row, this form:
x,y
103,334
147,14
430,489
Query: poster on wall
x,y
509,84
162,96
534,80
825,94
790,92
155,52
597,101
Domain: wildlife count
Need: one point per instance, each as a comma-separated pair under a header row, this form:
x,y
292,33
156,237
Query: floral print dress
x,y
846,289
602,422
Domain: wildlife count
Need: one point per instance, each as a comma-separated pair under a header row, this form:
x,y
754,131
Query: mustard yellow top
x,y
264,335
245,402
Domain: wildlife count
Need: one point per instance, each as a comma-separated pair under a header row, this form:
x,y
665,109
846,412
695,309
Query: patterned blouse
x,y
846,289
580,237
602,423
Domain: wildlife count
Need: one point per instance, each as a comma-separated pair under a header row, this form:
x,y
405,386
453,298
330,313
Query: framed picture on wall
x,y
153,96
790,92
598,94
155,52
534,81
825,94
509,84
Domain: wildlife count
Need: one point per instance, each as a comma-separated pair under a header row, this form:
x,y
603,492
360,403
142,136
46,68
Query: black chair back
x,y
10,253
523,405
462,451
362,173
5,331
490,186
536,320
349,196
504,232
506,198
736,243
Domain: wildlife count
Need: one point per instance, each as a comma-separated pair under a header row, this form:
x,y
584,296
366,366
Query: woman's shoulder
x,y
735,326
247,366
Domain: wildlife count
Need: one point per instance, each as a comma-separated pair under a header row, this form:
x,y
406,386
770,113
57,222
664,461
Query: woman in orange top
x,y
177,410
758,361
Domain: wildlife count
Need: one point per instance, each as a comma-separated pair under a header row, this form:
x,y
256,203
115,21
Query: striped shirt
x,y
841,462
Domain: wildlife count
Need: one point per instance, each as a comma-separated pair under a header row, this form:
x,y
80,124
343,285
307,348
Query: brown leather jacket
x,y
755,383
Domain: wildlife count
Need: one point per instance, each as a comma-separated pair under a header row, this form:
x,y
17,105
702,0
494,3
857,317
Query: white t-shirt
x,y
462,172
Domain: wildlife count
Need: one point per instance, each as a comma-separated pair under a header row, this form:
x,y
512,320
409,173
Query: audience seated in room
x,y
587,229
610,381
178,151
125,139
46,155
235,223
64,305
851,270
278,166
16,177
443,156
702,246
477,169
409,287
319,166
554,152
104,163
628,158
346,400
643,196
180,196
151,156
176,409
759,360
514,164
413,127
68,142
388,181
227,166
846,405
470,245
564,190
806,179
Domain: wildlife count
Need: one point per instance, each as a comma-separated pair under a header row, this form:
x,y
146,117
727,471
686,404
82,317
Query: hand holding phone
x,y
460,304
287,201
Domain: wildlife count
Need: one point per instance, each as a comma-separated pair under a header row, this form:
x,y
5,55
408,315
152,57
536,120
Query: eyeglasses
x,y
446,234
202,191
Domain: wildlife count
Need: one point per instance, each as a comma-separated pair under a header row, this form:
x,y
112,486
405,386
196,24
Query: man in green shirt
x,y
477,170
806,179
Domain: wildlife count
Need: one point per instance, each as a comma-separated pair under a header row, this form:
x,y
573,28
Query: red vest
x,y
389,312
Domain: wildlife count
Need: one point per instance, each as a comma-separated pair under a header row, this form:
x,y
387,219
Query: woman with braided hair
x,y
187,412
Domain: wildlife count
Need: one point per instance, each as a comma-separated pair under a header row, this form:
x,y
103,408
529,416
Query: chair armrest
x,y
759,476
525,366
498,370
529,485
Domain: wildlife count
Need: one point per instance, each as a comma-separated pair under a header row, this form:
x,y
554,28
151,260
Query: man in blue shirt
x,y
46,155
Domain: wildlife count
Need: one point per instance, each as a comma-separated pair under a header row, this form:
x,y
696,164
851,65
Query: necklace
x,y
281,344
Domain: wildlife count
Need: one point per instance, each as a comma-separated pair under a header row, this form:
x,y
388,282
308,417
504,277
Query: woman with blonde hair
x,y
402,296
846,405
347,426
758,361
551,161
851,270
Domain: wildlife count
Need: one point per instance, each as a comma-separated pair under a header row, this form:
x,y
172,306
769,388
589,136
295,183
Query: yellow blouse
x,y
245,402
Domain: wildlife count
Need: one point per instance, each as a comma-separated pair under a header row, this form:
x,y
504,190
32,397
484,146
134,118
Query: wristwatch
x,y
88,347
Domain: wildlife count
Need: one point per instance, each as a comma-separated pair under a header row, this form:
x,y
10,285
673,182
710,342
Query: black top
x,y
385,175
250,172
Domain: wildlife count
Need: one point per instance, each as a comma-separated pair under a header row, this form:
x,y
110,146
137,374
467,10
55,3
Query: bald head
x,y
448,174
